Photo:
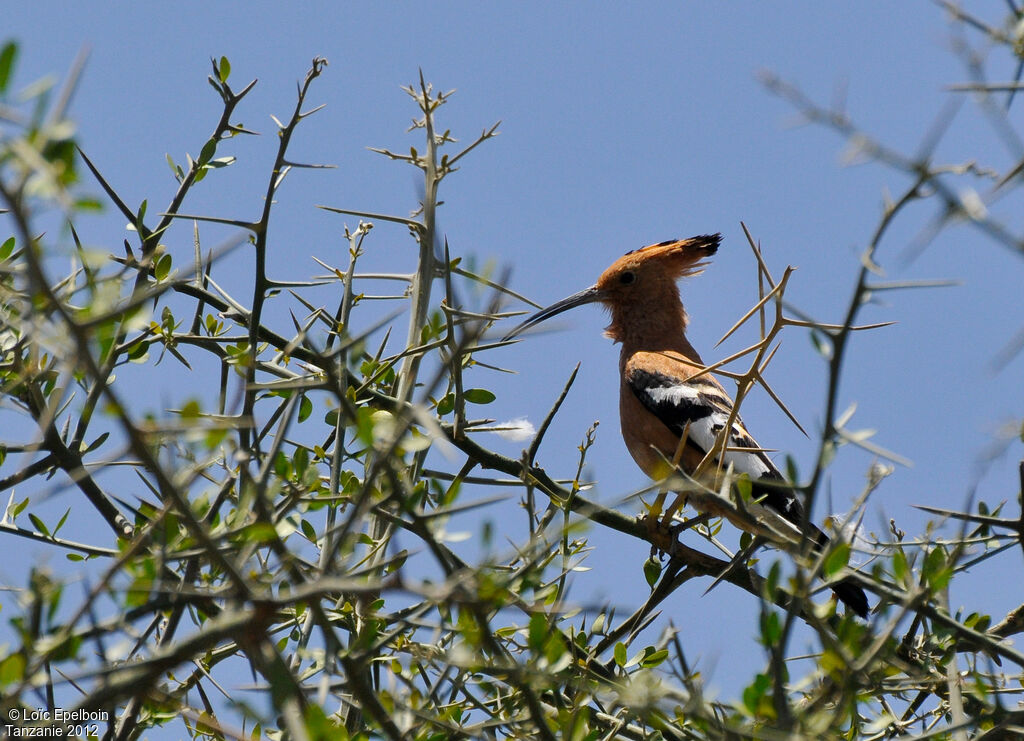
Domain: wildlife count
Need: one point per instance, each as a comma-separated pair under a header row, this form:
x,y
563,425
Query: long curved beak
x,y
587,296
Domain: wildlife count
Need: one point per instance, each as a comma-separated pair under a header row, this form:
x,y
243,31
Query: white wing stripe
x,y
705,430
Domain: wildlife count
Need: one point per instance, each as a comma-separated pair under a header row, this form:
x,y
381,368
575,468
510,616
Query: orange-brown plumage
x,y
670,408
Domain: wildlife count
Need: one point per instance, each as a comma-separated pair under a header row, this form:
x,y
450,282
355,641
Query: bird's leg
x,y
665,531
661,529
660,536
670,513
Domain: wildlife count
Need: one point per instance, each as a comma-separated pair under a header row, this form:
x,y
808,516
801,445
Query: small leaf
x,y
900,567
17,509
771,583
652,571
446,405
7,248
8,55
96,443
654,658
40,526
752,695
621,657
139,352
224,69
837,559
744,487
259,532
771,628
163,266
209,149
12,669
479,396
791,470
300,461
936,572
305,408
62,521
538,631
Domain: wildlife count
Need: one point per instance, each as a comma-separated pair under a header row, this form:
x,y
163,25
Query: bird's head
x,y
642,282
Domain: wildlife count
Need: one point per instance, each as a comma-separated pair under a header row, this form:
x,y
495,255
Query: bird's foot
x,y
661,535
663,532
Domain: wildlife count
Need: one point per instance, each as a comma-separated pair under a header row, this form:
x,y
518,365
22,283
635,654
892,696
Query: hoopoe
x,y
671,409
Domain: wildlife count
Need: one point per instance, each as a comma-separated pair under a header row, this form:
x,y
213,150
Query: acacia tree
x,y
266,544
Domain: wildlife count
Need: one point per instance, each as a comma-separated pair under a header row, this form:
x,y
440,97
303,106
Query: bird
x,y
674,412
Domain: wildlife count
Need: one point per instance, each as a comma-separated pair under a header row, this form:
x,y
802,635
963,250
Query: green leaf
x,y
771,628
259,532
837,559
18,508
96,443
654,658
791,470
40,525
305,408
175,169
752,695
86,203
771,583
224,69
652,571
479,396
139,352
554,647
446,405
7,248
936,572
300,461
62,521
744,487
621,657
538,631
900,567
209,149
137,594
163,266
282,466
12,669
8,55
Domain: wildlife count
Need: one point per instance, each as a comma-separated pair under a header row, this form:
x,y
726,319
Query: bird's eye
x,y
628,277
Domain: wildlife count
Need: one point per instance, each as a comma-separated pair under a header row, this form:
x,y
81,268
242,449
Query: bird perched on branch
x,y
675,414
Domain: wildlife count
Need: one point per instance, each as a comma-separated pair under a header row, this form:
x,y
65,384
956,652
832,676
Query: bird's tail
x,y
784,501
846,590
852,596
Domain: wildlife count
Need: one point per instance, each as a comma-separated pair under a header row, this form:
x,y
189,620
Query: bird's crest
x,y
678,258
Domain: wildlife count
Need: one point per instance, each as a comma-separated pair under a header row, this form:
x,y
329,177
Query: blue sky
x,y
621,126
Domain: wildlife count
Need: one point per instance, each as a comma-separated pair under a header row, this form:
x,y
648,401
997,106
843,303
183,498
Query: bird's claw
x,y
661,535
